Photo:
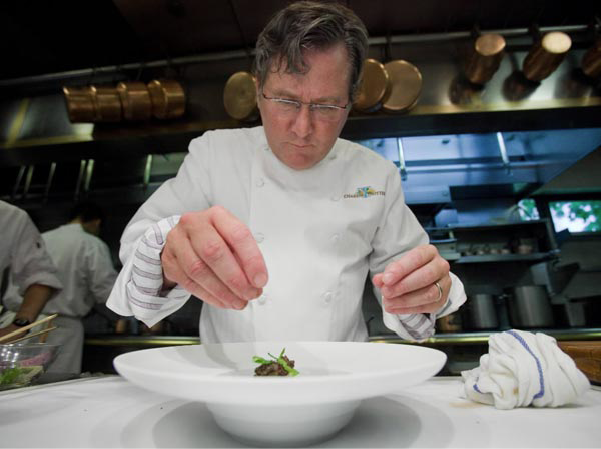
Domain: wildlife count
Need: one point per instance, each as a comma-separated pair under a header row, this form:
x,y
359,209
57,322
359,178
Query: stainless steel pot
x,y
530,307
482,311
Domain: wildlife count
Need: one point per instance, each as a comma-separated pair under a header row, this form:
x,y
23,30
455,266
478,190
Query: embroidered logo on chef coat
x,y
365,192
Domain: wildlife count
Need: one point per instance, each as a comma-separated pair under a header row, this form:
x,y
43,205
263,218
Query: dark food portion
x,y
274,368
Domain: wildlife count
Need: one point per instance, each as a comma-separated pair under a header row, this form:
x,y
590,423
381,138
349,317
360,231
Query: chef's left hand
x,y
408,285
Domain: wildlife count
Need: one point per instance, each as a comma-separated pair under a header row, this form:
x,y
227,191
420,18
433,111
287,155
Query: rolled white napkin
x,y
523,369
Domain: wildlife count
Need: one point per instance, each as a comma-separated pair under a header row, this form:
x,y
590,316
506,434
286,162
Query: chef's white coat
x,y
320,230
86,271
22,248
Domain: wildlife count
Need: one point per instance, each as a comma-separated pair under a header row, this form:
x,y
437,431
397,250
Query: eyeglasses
x,y
326,112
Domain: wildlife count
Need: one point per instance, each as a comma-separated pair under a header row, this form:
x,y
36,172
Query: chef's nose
x,y
302,124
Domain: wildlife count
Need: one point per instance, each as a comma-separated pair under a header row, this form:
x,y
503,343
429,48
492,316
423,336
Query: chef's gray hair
x,y
310,25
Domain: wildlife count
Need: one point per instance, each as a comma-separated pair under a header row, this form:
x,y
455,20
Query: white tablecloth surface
x,y
110,412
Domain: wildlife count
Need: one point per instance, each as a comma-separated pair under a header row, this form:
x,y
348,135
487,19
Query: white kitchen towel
x,y
523,369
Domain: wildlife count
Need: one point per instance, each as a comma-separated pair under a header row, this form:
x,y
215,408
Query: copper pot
x,y
484,58
546,55
80,103
374,88
135,100
107,105
240,97
406,85
591,61
167,97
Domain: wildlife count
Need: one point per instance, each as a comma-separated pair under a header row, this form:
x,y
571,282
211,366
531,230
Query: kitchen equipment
x,y
282,411
167,97
484,58
529,307
546,55
374,88
406,85
482,311
23,329
451,323
591,60
20,365
240,97
107,105
135,100
80,104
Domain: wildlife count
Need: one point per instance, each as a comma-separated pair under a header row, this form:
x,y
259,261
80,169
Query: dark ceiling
x,y
42,37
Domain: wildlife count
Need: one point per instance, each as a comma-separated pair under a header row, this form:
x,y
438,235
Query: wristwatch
x,y
21,322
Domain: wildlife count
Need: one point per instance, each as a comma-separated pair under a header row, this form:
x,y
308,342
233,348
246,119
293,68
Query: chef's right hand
x,y
214,256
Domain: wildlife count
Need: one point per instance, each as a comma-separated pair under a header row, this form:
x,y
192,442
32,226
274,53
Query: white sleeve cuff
x,y
421,326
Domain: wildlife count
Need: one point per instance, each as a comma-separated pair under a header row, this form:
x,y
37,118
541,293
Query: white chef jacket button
x,y
259,237
327,297
260,182
262,299
335,238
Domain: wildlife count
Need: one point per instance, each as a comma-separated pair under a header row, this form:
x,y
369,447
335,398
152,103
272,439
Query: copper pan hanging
x,y
546,55
240,97
591,61
374,88
80,104
167,97
107,105
135,100
484,58
406,86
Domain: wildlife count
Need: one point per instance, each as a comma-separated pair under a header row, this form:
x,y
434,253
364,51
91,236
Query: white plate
x,y
281,411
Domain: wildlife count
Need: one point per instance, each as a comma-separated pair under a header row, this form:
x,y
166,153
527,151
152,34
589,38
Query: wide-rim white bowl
x,y
281,411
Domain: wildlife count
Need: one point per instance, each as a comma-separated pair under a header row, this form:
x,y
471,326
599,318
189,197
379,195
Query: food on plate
x,y
277,366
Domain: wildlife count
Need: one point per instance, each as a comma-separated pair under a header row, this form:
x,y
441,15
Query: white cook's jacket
x,y
22,248
85,270
320,231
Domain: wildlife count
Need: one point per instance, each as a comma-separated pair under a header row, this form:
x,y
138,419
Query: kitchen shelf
x,y
149,341
477,338
484,258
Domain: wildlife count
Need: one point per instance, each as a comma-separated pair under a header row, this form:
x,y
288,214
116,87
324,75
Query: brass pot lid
x,y
135,100
240,96
374,87
406,85
167,98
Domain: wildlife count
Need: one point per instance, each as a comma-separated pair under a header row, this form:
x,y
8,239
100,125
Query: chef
x,y
276,227
23,258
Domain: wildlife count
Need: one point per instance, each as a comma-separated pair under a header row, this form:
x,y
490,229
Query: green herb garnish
x,y
279,360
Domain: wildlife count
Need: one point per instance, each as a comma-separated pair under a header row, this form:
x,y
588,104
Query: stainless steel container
x,y
530,307
482,311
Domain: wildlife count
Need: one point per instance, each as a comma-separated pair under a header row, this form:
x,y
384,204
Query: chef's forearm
x,y
35,298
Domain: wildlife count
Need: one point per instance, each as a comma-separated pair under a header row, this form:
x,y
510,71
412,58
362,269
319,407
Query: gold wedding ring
x,y
439,290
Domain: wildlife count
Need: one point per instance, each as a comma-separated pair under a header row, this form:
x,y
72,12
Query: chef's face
x,y
300,138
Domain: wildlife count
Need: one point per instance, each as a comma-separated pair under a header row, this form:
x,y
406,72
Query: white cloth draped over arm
x,y
137,290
